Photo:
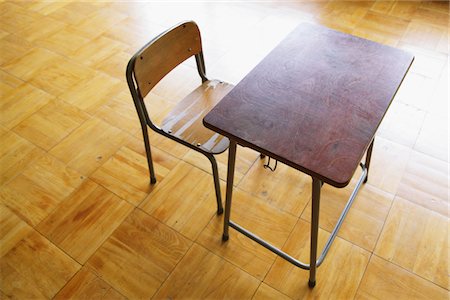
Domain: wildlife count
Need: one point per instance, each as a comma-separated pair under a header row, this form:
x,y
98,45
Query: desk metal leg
x,y
230,179
315,207
368,157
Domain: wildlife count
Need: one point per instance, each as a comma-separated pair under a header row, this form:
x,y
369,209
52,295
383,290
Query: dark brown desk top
x,y
315,102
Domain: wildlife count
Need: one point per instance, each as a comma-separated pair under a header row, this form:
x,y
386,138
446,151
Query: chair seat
x,y
185,121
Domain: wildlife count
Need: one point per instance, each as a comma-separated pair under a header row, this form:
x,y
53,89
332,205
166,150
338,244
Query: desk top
x,y
314,102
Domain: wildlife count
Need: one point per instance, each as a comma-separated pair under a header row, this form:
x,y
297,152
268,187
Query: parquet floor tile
x,y
416,240
139,255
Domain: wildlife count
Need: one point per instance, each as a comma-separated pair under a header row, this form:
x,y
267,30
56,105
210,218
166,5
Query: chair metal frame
x,y
145,120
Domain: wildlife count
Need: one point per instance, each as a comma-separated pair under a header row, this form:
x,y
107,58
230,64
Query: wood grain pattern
x,y
332,281
48,126
202,275
364,222
185,200
265,292
416,240
35,193
12,231
85,220
89,146
321,129
15,154
35,268
20,103
425,182
185,120
399,285
264,220
86,285
139,255
158,58
126,172
286,189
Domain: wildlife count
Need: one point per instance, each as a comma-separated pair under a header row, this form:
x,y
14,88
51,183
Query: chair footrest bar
x,y
333,235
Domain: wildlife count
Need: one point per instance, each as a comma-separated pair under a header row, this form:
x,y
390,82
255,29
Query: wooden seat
x,y
184,123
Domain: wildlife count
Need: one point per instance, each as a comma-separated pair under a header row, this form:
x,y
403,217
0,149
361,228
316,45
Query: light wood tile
x,y
15,154
427,63
126,173
49,125
12,231
139,256
13,47
86,285
121,112
25,65
344,16
35,193
201,274
332,281
244,160
40,29
35,268
100,22
44,7
84,220
98,50
415,91
89,146
402,124
431,16
417,240
73,13
439,103
388,165
434,137
266,292
384,280
424,35
260,218
61,75
65,41
92,92
114,65
286,188
16,18
20,103
404,9
425,182
185,200
381,28
365,219
9,80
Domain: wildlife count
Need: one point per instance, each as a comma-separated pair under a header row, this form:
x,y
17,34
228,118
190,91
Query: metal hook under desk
x,y
267,166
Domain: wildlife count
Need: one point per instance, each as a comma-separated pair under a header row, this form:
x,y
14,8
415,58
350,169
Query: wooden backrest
x,y
161,55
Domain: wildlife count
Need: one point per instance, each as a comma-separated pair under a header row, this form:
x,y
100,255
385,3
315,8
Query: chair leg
x,y
215,172
149,154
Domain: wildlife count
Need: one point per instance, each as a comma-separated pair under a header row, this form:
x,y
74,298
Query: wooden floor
x,y
80,220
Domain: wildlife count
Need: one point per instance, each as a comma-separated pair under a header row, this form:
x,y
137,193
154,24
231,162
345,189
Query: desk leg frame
x,y
316,188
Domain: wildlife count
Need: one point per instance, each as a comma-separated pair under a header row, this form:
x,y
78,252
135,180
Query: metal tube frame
x,y
145,121
315,207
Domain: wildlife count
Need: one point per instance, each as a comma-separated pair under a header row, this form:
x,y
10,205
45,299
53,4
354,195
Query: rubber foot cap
x,y
152,180
311,284
262,156
225,237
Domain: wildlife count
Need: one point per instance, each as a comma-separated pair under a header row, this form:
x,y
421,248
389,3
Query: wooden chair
x,y
184,124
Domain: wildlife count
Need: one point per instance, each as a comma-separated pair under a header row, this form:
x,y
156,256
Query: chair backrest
x,y
162,54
